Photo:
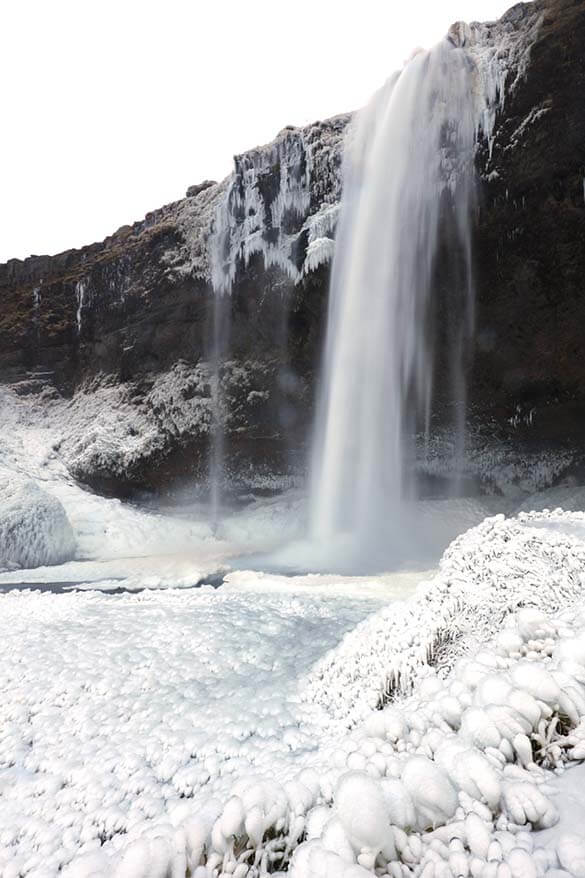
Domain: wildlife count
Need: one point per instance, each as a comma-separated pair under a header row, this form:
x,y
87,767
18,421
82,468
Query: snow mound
x,y
34,528
484,575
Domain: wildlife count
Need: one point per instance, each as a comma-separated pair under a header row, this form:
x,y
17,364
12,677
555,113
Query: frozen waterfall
x,y
408,202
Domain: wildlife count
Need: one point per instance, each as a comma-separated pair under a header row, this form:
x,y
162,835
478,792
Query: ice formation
x,y
34,528
269,207
501,52
278,202
319,251
466,764
37,310
80,296
258,216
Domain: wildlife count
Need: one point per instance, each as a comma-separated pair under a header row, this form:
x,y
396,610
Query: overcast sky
x,y
112,108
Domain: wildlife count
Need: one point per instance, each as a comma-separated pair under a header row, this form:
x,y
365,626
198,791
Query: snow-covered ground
x,y
415,723
118,708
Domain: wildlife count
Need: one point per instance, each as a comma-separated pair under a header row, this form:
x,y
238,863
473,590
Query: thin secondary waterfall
x,y
261,215
407,206
219,347
218,340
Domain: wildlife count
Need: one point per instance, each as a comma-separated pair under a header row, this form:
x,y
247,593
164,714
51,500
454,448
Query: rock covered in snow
x,y
34,528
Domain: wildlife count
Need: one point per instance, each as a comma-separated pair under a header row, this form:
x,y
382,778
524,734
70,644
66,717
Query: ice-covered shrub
x,y
34,528
433,796
484,575
464,779
440,791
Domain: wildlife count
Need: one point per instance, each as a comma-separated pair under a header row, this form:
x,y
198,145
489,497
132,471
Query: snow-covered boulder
x,y
34,528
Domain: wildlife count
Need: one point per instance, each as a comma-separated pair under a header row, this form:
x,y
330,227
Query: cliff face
x,y
531,241
118,336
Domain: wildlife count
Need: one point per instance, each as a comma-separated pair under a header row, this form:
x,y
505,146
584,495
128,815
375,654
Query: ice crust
x,y
119,712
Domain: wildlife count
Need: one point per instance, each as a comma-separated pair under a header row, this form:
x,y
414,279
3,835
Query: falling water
x,y
408,197
219,346
37,312
80,290
256,219
218,340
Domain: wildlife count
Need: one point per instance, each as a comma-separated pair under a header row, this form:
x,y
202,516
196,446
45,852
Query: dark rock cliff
x,y
531,240
126,325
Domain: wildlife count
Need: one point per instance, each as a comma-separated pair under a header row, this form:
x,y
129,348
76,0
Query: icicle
x,y
264,209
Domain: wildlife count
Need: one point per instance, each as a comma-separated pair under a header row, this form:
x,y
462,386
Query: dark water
x,y
214,579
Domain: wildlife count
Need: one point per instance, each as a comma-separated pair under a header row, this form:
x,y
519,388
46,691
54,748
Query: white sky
x,y
111,108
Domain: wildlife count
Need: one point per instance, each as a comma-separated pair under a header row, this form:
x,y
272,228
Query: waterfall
x,y
218,337
220,332
80,290
36,295
407,205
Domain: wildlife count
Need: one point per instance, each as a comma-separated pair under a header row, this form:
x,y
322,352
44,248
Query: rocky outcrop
x,y
529,371
130,321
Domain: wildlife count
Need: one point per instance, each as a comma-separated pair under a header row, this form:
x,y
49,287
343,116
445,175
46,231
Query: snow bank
x,y
34,529
111,428
484,575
